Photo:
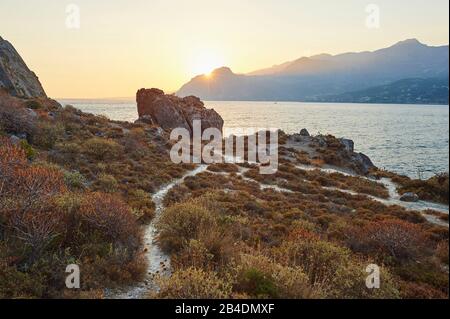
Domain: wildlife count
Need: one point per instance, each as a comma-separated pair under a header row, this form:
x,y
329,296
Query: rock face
x,y
15,77
363,162
170,112
348,144
409,197
304,132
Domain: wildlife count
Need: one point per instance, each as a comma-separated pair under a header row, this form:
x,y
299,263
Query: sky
x,y
119,46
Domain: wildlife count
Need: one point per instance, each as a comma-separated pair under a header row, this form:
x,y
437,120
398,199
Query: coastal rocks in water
x,y
410,198
304,132
170,111
15,77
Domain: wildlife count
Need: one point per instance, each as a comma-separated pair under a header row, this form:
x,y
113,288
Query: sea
x,y
411,140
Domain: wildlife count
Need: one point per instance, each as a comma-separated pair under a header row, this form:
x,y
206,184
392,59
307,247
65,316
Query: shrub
x,y
193,283
75,180
181,223
24,187
194,255
258,276
142,204
107,183
35,230
102,149
33,104
14,118
442,252
424,272
331,268
395,238
110,217
411,290
67,153
29,150
319,259
15,284
12,158
47,134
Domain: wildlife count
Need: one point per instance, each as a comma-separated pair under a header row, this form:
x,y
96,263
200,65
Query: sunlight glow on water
x,y
402,138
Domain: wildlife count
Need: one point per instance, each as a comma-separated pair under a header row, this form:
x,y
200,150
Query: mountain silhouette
x,y
316,77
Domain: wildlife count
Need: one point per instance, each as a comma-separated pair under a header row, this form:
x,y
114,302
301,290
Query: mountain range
x,y
402,73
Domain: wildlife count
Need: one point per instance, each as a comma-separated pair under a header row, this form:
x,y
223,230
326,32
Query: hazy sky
x,y
124,45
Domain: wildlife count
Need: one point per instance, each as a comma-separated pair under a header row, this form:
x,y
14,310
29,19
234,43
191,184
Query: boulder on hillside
x,y
15,77
410,198
348,144
304,132
170,111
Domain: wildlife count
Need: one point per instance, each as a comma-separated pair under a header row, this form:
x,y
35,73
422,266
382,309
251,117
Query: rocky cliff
x,y
15,77
169,111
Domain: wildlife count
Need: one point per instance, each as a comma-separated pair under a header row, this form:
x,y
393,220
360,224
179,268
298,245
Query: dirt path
x,y
158,263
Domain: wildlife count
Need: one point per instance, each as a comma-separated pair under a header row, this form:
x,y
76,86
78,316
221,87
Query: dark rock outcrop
x,y
348,144
409,197
170,112
363,162
304,132
15,77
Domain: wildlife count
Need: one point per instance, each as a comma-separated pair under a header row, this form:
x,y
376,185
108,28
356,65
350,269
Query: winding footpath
x,y
158,262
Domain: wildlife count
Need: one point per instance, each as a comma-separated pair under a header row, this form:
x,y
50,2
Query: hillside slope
x,y
408,91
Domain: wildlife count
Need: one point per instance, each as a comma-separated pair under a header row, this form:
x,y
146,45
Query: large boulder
x,y
170,111
15,77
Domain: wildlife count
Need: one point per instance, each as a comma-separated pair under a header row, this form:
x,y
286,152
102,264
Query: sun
x,y
206,62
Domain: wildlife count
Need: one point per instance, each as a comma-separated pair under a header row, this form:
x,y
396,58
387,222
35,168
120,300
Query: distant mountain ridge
x,y
317,77
408,91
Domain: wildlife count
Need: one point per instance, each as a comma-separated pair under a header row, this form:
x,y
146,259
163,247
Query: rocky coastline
x,y
78,188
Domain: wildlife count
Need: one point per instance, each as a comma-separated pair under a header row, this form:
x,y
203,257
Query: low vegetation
x,y
312,243
75,189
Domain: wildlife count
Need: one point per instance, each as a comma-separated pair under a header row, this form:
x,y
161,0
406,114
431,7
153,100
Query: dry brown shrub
x,y
112,217
193,283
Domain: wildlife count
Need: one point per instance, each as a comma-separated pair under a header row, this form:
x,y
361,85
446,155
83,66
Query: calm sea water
x,y
407,139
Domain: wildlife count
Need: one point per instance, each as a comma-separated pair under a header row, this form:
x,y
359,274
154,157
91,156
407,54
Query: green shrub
x,y
102,149
29,150
107,183
75,180
258,284
33,104
47,134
